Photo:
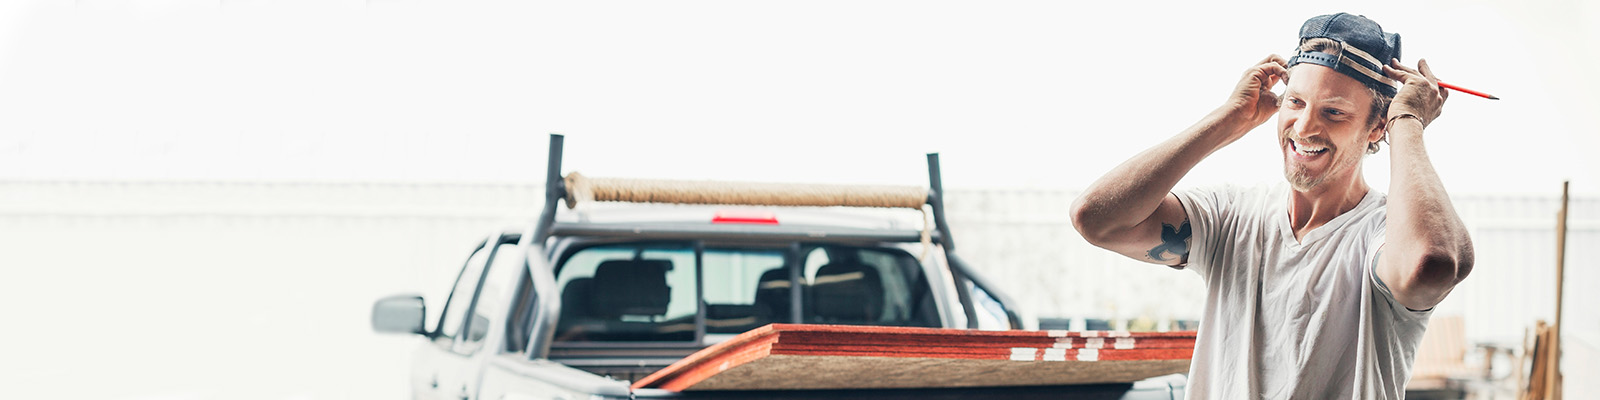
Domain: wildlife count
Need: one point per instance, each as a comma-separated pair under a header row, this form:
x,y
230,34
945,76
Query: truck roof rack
x,y
581,188
576,188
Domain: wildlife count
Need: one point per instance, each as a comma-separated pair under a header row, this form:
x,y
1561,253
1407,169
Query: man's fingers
x,y
1421,76
1395,62
1403,68
1394,74
1274,59
1268,72
1275,69
1443,94
1275,73
1269,68
1401,72
1422,65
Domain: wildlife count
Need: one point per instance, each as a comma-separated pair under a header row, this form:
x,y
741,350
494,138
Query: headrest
x,y
575,301
774,279
575,296
630,287
848,291
772,293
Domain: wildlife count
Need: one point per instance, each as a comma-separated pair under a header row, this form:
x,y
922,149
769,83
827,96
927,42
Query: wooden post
x,y
1553,378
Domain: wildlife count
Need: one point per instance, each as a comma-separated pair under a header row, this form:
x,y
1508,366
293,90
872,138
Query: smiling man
x,y
1321,287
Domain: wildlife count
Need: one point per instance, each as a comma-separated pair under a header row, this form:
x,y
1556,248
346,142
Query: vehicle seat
x,y
574,308
630,287
575,298
773,301
847,292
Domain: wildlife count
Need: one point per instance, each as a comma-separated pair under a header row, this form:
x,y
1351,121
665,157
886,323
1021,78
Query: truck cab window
x,y
490,301
465,295
865,286
647,293
628,293
991,314
455,309
745,289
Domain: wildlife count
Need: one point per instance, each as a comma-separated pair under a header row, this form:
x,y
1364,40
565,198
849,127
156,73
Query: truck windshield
x,y
648,292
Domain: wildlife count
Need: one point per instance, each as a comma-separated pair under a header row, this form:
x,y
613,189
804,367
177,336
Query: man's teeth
x,y
1307,150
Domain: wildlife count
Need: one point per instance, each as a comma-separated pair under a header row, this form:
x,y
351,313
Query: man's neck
x,y
1312,209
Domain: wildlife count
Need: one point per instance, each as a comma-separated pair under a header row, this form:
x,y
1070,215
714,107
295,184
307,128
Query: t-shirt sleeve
x,y
1380,289
1206,208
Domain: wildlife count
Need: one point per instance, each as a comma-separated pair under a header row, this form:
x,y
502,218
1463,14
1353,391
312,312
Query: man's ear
x,y
1377,132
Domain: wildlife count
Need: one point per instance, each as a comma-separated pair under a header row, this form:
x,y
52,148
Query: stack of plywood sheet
x,y
1544,379
783,356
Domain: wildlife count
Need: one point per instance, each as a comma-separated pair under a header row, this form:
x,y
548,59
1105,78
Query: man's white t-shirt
x,y
1294,319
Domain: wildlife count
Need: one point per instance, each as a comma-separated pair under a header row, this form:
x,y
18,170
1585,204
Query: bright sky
x,y
1045,94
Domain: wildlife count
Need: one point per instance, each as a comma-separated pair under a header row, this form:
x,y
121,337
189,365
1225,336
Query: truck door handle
x,y
433,382
463,394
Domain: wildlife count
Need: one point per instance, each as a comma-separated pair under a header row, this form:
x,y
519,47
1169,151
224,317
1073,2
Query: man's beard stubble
x,y
1301,178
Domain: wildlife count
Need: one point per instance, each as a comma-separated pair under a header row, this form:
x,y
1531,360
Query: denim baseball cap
x,y
1364,48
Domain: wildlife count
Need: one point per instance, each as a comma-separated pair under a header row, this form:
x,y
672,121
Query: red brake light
x,y
759,217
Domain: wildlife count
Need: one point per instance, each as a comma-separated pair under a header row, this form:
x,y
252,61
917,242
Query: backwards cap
x,y
1363,49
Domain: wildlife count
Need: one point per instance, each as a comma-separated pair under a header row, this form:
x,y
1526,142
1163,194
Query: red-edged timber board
x,y
982,342
785,356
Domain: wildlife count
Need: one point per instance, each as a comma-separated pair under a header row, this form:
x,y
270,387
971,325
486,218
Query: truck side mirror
x,y
404,313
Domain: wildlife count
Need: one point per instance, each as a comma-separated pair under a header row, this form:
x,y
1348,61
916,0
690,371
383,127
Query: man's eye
x,y
1335,112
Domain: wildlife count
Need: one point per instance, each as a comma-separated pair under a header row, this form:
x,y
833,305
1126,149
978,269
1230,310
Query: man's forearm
x,y
1426,240
1129,193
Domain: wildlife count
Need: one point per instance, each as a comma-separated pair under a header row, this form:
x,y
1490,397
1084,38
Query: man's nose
x,y
1306,126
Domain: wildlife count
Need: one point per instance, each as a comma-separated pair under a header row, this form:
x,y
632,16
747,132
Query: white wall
x,y
224,291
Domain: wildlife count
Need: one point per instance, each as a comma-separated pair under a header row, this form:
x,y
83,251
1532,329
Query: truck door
x,y
448,369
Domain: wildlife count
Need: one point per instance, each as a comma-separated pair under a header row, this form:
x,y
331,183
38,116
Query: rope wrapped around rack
x,y
581,189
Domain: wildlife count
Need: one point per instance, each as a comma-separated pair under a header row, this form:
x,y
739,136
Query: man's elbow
x,y
1451,264
1435,274
1094,230
1440,269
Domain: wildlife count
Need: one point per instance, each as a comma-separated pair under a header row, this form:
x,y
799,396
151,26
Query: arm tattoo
x,y
1173,240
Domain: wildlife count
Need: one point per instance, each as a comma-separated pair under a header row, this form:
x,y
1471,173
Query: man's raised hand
x,y
1253,102
1421,95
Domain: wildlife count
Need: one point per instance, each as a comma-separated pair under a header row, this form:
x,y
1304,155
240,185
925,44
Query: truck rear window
x,y
648,292
628,293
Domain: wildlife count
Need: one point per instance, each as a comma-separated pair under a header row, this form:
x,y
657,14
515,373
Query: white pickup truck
x,y
586,301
